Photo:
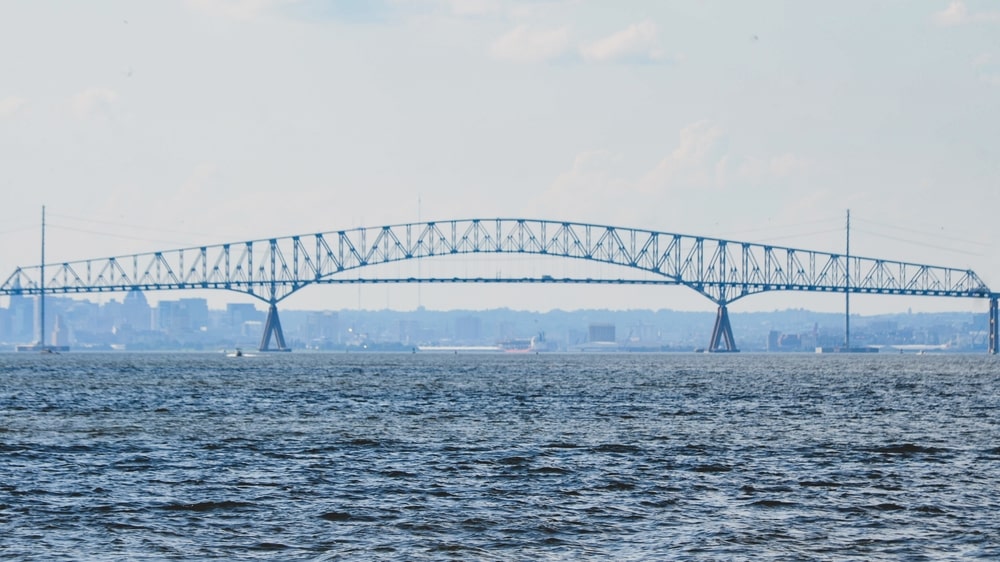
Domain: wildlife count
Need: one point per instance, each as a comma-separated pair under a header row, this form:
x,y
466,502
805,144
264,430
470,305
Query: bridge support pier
x,y
272,327
993,326
722,333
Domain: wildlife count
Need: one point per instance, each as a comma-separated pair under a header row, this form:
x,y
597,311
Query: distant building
x,y
640,333
601,333
60,334
251,329
4,325
22,318
238,314
468,329
778,341
136,312
197,313
321,328
506,330
181,316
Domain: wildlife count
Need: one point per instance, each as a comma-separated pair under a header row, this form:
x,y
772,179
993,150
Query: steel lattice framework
x,y
721,270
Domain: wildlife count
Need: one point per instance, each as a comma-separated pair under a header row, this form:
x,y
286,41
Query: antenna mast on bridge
x,y
847,288
41,290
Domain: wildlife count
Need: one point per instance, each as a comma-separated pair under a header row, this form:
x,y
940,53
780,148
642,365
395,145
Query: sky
x,y
145,126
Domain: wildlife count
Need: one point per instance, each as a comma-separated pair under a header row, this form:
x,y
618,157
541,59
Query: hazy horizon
x,y
151,126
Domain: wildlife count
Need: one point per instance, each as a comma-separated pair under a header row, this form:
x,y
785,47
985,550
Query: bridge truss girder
x,y
275,268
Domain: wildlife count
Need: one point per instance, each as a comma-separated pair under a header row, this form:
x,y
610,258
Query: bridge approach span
x,y
723,271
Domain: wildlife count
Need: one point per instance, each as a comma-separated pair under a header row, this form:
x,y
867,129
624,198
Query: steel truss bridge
x,y
721,270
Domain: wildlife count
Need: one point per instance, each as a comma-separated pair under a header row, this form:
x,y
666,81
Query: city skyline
x,y
132,324
761,122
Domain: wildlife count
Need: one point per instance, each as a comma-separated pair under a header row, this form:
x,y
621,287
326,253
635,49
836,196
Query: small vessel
x,y
533,344
516,345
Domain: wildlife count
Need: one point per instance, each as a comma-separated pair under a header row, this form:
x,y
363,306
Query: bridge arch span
x,y
722,270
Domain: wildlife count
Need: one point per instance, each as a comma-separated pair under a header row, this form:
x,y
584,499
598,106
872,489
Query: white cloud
x,y
523,44
235,9
957,13
700,160
695,182
92,102
703,160
11,105
988,69
591,190
762,169
638,42
475,7
589,175
984,59
540,9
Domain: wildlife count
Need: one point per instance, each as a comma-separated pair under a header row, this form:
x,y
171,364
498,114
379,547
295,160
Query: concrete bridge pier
x,y
272,327
722,333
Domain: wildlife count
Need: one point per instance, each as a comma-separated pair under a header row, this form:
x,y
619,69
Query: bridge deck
x,y
722,270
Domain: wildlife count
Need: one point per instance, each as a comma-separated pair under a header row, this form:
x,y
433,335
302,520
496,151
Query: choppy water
x,y
499,457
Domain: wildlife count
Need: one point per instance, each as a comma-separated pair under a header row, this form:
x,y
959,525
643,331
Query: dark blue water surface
x,y
499,457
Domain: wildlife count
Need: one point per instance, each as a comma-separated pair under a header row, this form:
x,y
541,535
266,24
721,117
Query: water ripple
x,y
554,457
